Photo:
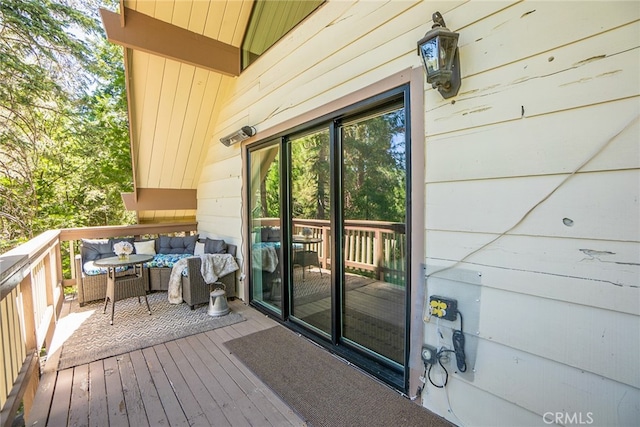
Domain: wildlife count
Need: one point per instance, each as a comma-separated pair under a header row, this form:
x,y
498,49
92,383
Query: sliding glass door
x,y
264,220
329,246
310,227
373,194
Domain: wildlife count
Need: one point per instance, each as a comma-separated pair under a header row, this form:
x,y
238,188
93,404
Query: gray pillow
x,y
270,234
177,245
215,246
94,249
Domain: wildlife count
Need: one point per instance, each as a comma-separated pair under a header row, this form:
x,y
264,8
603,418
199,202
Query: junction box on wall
x,y
444,308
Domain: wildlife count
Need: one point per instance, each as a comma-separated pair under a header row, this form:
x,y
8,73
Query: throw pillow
x,y
199,250
93,249
215,246
147,247
177,245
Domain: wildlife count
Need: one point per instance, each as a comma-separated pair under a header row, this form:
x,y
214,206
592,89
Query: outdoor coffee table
x,y
126,286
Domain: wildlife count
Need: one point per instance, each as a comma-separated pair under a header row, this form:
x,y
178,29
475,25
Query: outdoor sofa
x,y
92,280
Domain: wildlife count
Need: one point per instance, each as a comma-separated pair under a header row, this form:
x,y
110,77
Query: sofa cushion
x,y
177,245
215,246
147,247
90,269
93,249
270,234
165,260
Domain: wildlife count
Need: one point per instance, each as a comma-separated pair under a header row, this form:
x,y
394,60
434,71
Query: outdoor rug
x,y
93,338
323,389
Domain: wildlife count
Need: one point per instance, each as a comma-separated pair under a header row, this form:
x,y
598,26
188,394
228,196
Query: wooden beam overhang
x,y
160,199
147,34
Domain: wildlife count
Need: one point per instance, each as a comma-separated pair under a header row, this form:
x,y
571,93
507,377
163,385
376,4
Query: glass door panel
x,y
310,230
264,205
374,191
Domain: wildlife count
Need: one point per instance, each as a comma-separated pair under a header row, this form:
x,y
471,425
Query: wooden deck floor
x,y
191,381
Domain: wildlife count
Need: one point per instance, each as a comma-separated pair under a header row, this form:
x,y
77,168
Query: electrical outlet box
x,y
444,308
429,354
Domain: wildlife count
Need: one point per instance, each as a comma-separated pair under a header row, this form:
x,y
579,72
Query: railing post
x,y
378,255
325,247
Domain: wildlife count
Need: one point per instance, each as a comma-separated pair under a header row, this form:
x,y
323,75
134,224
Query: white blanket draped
x,y
213,266
265,257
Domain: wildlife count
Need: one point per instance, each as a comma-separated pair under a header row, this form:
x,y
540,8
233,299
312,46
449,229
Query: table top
x,y
114,261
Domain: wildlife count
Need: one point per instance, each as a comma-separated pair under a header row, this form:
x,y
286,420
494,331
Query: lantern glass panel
x,y
429,51
447,51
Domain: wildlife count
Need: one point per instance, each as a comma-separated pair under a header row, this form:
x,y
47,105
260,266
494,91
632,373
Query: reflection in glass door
x,y
264,205
374,216
310,230
328,220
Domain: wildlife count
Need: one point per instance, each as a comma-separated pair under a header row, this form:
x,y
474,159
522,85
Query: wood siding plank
x,y
539,145
607,262
496,205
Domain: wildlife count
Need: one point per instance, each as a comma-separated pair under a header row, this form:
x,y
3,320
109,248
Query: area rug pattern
x,y
133,328
323,389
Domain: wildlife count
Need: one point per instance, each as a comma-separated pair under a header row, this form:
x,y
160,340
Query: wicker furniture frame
x,y
195,291
126,286
94,287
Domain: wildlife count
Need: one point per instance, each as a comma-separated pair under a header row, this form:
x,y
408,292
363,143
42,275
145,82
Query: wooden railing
x,y
31,297
377,247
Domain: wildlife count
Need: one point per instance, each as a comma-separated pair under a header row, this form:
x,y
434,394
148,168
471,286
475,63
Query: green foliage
x,y
374,171
310,177
64,145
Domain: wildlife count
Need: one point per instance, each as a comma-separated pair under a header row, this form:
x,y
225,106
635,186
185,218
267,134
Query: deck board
x,y
59,413
79,412
150,399
132,395
115,395
192,381
98,411
166,396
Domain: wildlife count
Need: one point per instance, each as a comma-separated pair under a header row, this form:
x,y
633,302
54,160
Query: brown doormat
x,y
323,389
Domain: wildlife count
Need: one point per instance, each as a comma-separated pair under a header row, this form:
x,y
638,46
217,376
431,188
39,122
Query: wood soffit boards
x,y
158,199
147,34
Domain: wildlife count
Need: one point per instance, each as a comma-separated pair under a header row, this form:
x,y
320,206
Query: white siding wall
x,y
545,127
549,89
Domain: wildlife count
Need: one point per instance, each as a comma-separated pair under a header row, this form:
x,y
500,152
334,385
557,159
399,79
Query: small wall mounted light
x,y
245,132
439,51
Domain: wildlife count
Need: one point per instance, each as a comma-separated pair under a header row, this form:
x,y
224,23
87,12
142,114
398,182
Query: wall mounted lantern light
x,y
439,51
245,132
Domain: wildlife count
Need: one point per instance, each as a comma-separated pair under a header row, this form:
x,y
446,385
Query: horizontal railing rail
x,y
377,247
